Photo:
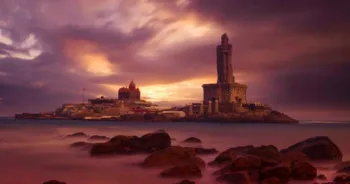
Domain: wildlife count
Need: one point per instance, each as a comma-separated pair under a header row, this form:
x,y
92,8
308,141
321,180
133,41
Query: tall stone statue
x,y
223,61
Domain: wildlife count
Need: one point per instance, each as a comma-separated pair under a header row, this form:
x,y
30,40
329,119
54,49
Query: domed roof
x,y
132,85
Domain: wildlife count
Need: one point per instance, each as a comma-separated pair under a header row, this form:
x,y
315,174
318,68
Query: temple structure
x,y
225,90
130,93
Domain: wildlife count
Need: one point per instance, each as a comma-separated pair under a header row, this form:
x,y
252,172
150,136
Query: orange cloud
x,y
89,57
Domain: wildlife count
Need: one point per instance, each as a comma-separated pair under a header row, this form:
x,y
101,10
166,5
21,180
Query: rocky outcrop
x,y
318,148
122,144
282,172
263,164
77,135
192,140
235,178
277,117
183,171
54,182
303,171
98,138
173,156
155,141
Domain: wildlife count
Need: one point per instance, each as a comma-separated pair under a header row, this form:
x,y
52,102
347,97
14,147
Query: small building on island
x,y
129,93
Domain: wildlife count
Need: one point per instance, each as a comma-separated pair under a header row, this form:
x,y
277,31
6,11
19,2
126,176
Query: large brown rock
x,y
292,156
244,163
269,155
173,156
77,135
282,172
303,171
230,155
54,182
183,171
155,141
241,177
319,148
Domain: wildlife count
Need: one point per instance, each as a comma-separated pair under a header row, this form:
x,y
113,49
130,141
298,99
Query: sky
x,y
293,55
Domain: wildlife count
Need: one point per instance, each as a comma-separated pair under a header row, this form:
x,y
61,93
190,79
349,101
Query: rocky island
x,y
224,101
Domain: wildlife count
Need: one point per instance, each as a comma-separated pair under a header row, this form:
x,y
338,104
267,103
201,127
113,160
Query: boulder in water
x,y
303,171
98,138
173,156
77,135
319,148
192,140
241,177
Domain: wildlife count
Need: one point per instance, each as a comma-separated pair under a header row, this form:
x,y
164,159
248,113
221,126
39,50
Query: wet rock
x,y
77,135
322,177
186,182
173,156
342,179
98,138
269,155
183,171
155,141
229,155
244,163
103,149
81,144
272,180
282,172
54,182
235,178
192,140
303,171
292,156
319,148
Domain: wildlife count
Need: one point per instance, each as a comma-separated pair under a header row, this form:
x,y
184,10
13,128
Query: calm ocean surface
x,y
33,151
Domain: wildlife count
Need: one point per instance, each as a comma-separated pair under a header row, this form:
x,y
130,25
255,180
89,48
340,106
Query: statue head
x,y
224,39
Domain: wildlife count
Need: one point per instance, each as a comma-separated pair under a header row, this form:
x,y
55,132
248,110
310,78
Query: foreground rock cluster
x,y
237,165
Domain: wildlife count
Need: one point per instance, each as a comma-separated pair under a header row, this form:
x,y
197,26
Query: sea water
x,y
33,151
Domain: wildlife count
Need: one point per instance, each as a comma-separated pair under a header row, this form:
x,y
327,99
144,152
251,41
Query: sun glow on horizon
x,y
188,90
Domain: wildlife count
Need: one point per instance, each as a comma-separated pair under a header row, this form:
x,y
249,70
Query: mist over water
x,y
32,151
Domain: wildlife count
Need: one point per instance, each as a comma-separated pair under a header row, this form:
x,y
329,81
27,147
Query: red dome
x,y
132,85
